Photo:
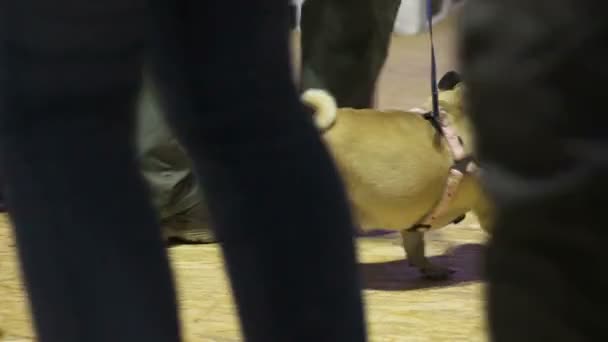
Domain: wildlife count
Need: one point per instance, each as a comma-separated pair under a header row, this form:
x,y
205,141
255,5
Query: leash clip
x,y
434,120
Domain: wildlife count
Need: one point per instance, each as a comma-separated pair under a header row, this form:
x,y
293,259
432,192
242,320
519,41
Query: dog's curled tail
x,y
324,106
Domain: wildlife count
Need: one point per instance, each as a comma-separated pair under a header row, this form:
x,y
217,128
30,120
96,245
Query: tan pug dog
x,y
395,165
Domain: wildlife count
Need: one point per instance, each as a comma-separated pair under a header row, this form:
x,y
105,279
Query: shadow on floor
x,y
398,275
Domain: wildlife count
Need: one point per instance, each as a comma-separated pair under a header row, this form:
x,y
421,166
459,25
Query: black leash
x,y
433,116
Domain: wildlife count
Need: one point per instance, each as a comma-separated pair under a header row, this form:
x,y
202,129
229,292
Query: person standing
x,y
529,67
344,47
167,170
90,247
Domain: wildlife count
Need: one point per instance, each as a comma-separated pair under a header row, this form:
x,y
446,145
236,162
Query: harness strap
x,y
462,165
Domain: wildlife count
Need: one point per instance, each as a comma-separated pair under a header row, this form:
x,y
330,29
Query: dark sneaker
x,y
190,226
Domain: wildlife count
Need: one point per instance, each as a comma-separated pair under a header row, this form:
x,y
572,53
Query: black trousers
x,y
89,243
344,46
534,72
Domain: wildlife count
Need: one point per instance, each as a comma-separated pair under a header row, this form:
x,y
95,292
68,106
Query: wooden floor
x,y
400,307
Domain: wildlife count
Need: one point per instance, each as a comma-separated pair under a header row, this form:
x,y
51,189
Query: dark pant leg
x,y
2,197
89,245
344,46
534,71
275,197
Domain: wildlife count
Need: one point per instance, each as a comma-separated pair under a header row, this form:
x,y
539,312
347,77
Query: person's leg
x,y
344,47
2,201
168,172
529,67
276,200
164,163
94,264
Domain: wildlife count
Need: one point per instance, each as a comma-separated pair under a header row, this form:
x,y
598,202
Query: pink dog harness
x,y
463,164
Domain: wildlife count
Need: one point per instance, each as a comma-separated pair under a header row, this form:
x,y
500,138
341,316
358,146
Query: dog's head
x,y
451,93
451,99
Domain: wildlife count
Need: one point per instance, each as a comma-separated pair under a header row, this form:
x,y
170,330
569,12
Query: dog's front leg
x,y
413,243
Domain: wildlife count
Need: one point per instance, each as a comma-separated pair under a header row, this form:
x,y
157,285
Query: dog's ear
x,y
449,80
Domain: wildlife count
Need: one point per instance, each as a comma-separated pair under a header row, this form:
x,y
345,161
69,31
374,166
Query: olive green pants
x,y
164,163
344,46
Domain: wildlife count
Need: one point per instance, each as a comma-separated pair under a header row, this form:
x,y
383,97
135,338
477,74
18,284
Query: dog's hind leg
x,y
413,243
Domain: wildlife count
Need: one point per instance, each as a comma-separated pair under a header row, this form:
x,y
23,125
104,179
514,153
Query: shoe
x,y
191,226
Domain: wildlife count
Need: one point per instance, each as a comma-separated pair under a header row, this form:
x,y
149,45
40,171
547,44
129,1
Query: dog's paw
x,y
435,272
